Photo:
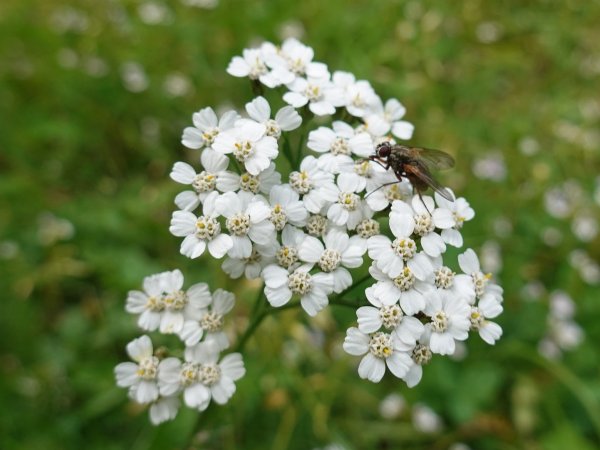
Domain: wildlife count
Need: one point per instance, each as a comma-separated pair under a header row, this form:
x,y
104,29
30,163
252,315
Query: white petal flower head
x,y
139,376
384,188
426,218
247,221
392,256
208,321
287,254
320,94
286,207
487,308
313,290
157,299
389,317
349,209
201,232
338,145
286,119
203,183
380,350
207,127
295,59
261,183
461,212
407,288
384,119
338,253
359,96
250,145
315,185
449,321
252,64
459,285
482,285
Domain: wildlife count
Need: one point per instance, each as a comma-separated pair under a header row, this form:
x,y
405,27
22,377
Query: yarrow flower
x,y
305,241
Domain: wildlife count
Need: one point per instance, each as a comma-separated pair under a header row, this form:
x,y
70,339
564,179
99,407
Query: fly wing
x,y
425,178
436,159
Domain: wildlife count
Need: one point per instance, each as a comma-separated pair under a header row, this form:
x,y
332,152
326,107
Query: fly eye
x,y
384,149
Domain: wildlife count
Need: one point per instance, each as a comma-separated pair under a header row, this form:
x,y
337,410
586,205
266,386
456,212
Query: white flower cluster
x,y
307,238
197,317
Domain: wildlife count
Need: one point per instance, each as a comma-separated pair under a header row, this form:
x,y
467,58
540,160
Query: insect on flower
x,y
414,163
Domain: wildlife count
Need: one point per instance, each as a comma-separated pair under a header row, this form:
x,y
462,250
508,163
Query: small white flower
x,y
359,96
203,183
407,289
487,308
261,183
249,144
425,419
286,207
338,145
294,59
315,185
482,286
208,321
280,286
251,266
247,221
461,212
201,232
384,119
207,127
201,377
286,119
426,218
449,321
391,317
164,304
320,94
459,285
287,253
252,64
391,256
139,376
348,209
333,257
380,350
385,188
421,355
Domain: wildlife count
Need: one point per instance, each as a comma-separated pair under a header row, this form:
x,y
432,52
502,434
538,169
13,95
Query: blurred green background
x,y
93,98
